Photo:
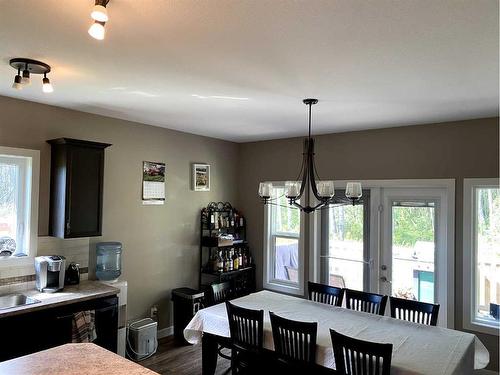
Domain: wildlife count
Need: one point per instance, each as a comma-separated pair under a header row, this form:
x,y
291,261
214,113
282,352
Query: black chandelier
x,y
309,182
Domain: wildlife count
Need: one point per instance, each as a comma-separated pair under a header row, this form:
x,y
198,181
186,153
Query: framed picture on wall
x,y
201,177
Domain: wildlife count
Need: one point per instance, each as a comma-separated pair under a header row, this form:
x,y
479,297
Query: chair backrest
x,y
414,311
326,294
294,341
367,302
221,292
246,327
358,357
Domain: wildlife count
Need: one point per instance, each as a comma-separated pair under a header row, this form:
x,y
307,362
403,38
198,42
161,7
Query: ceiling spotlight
x,y
100,16
17,81
30,67
46,85
97,30
26,76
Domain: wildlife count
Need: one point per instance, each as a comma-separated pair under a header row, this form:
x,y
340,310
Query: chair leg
x,y
234,365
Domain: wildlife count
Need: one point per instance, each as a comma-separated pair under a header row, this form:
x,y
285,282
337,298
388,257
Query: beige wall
x,y
160,242
447,150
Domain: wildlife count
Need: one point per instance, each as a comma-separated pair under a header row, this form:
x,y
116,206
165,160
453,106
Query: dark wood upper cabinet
x,y
76,188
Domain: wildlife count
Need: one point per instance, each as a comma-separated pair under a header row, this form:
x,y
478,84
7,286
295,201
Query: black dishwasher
x,y
39,330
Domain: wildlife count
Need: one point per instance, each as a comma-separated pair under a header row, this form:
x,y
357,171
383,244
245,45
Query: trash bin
x,y
187,302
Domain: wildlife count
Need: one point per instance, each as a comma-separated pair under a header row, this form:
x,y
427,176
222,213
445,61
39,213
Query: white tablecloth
x,y
417,349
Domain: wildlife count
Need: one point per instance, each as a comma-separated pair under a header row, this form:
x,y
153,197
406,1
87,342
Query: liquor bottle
x,y
240,259
230,261
242,221
232,219
236,262
212,221
226,262
220,262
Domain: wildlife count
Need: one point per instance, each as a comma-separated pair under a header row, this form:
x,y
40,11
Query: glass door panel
x,y
413,250
345,243
346,250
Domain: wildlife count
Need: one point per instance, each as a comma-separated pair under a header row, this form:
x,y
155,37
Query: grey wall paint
x,y
160,243
447,150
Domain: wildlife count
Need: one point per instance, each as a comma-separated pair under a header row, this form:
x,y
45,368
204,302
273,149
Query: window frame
x,y
470,320
29,199
269,281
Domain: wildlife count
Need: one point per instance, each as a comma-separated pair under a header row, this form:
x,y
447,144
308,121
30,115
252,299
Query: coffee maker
x,y
49,272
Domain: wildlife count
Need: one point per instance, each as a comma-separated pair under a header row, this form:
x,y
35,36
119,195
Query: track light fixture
x,y
30,67
100,16
46,85
18,80
26,76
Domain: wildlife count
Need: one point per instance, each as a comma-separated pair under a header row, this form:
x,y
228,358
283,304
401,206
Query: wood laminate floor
x,y
175,358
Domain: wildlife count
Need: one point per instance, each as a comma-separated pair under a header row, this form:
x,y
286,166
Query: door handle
x,y
385,280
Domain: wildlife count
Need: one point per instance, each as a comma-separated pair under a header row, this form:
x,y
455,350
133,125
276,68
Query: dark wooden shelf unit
x,y
243,279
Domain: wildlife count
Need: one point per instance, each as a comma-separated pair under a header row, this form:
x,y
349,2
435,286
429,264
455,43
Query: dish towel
x,y
83,327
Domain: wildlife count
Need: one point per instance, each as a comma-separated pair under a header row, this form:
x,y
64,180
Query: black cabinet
x,y
76,188
39,330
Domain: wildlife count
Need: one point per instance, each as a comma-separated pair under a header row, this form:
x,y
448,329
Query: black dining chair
x,y
247,335
294,344
358,357
414,311
367,302
326,294
220,293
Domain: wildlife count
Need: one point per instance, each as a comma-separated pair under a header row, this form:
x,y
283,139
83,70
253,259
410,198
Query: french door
x,y
396,242
412,257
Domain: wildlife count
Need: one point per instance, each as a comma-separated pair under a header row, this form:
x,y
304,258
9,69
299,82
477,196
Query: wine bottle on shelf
x,y
232,219
242,221
220,262
212,221
236,262
230,261
240,259
226,262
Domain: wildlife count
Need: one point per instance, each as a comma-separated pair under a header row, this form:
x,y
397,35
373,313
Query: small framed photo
x,y
201,177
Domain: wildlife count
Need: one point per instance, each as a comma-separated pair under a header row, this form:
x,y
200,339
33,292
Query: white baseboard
x,y
169,331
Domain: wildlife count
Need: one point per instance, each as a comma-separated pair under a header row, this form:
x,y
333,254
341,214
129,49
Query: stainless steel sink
x,y
13,300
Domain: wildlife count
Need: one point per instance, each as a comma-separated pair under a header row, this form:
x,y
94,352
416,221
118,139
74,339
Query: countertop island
x,y
73,359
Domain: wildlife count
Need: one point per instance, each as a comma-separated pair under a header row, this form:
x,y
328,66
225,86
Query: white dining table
x,y
417,348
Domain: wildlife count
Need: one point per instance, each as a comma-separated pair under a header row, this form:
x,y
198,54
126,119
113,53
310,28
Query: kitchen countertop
x,y
74,359
86,290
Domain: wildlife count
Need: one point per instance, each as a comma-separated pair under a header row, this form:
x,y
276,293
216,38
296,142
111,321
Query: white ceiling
x,y
178,63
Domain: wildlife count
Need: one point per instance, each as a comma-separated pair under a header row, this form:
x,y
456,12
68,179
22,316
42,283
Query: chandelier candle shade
x,y
309,182
100,16
29,67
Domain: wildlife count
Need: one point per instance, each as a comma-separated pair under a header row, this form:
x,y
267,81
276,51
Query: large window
x,y
482,254
18,203
284,259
